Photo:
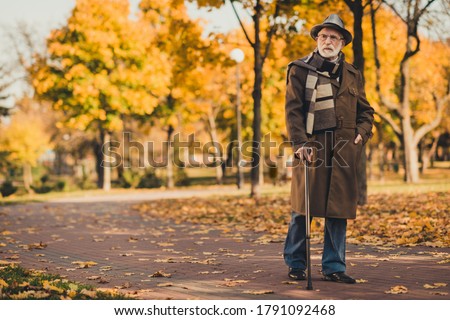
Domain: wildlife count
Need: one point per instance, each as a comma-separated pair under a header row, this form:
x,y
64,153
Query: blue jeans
x,y
333,257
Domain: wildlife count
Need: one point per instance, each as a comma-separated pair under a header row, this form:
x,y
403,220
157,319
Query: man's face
x,y
329,42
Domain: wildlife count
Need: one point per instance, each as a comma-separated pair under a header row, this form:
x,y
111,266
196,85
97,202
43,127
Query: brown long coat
x,y
333,179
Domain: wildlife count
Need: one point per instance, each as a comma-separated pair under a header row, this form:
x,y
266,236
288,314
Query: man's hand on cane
x,y
304,153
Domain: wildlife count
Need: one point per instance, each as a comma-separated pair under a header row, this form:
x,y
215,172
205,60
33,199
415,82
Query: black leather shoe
x,y
339,277
297,274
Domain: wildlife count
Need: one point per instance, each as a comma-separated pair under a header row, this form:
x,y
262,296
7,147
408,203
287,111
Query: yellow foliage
x,y
48,286
102,65
24,139
30,294
3,284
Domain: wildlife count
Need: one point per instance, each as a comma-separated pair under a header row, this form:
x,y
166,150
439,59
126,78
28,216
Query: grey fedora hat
x,y
333,21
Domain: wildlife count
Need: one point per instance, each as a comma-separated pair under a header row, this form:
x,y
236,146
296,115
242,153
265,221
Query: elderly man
x,y
326,112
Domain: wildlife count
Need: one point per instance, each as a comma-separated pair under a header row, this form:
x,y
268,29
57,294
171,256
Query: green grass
x,y
434,180
19,283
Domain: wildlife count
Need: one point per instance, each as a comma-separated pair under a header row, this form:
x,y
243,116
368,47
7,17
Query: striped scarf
x,y
319,92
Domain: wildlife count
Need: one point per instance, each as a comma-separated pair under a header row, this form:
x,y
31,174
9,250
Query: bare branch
x,y
441,105
422,11
271,31
387,117
395,10
391,106
350,4
384,100
242,25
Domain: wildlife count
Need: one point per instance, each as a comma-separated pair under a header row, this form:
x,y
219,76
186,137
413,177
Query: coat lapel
x,y
348,77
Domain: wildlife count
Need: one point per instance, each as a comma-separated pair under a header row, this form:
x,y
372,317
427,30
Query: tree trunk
x,y
97,146
358,51
358,60
106,159
411,155
170,156
427,155
257,94
27,177
240,170
215,140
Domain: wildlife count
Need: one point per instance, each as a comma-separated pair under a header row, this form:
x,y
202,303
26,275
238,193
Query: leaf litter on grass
x,y
388,219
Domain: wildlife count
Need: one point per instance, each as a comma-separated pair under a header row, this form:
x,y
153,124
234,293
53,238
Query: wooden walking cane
x,y
308,222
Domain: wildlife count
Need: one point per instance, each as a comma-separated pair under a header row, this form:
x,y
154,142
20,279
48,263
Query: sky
x,y
45,15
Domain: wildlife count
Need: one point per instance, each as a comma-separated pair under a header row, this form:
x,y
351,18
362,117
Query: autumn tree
x,y
401,115
180,38
25,138
5,83
100,66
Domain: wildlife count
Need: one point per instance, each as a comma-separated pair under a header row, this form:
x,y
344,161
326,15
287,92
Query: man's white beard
x,y
328,53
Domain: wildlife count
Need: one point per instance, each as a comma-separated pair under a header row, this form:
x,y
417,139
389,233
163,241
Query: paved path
x,y
203,262
146,195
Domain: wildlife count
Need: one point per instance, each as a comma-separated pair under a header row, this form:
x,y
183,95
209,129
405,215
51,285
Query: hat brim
x,y
345,33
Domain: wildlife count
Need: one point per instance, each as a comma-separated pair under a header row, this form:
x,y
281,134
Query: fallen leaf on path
x,y
145,290
160,274
32,246
105,268
168,260
166,284
437,293
434,285
165,244
397,290
126,254
93,277
84,264
258,292
232,282
211,261
289,282
133,239
361,281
